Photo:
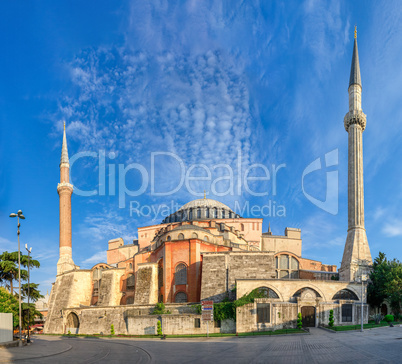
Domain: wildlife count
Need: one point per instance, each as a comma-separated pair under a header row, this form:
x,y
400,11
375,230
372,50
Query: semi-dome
x,y
201,209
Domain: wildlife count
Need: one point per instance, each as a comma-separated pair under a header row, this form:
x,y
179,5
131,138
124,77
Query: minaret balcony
x,y
63,185
355,117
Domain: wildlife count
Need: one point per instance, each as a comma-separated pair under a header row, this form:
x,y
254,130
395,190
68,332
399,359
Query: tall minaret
x,y
65,190
356,256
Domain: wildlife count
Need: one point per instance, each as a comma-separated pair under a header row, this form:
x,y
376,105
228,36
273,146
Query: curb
x,y
9,344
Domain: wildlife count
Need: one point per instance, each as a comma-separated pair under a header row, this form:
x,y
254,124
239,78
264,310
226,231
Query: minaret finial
x,y
64,124
205,195
355,31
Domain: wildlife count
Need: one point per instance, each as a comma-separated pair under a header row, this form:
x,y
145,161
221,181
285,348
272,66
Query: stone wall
x,y
286,288
146,289
221,270
109,290
213,281
128,320
71,289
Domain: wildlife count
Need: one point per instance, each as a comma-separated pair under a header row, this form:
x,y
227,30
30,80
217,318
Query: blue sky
x,y
205,81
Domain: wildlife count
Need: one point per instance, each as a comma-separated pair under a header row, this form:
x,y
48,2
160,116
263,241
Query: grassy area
x,y
370,325
276,332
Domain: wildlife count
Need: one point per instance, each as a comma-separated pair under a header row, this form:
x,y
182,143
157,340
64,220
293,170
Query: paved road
x,y
372,346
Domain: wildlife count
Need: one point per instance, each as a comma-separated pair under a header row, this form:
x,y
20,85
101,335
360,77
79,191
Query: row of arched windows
x,y
343,294
197,213
181,237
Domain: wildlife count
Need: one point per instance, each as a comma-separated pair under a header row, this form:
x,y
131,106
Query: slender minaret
x,y
65,190
356,256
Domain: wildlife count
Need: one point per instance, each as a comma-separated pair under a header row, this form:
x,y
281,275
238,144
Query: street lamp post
x,y
19,216
29,258
361,323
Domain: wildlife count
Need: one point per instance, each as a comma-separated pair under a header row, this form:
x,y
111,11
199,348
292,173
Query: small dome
x,y
201,209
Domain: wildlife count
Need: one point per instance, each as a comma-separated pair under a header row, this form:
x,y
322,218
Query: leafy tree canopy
x,y
385,283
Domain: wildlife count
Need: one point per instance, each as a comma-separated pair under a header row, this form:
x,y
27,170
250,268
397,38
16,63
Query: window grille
x,y
347,313
181,274
181,297
263,313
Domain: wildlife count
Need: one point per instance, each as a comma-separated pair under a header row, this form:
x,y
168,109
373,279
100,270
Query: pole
x,y
28,340
19,283
361,329
207,328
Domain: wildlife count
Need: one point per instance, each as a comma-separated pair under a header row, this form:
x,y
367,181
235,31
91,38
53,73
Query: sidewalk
x,y
37,349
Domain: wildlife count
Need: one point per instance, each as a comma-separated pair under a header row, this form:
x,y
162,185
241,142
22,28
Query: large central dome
x,y
204,202
201,209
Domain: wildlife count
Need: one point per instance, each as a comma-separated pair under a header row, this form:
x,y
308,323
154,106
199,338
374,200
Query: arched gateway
x,y
308,316
73,323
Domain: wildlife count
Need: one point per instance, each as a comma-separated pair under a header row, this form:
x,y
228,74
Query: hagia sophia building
x,y
205,251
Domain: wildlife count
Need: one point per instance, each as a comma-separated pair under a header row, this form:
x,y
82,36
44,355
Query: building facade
x,y
205,251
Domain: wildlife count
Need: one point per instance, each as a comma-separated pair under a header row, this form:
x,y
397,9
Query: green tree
x,y
299,320
111,329
159,328
385,283
32,314
9,299
9,304
331,318
9,268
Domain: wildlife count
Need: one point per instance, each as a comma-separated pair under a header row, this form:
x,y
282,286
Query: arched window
x,y
160,274
223,213
180,297
199,213
230,214
215,213
180,276
168,238
265,292
287,267
242,227
131,265
194,236
345,294
206,238
301,290
207,213
190,214
180,237
294,263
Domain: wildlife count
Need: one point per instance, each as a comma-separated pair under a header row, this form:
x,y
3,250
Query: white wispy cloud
x,y
99,257
392,228
5,244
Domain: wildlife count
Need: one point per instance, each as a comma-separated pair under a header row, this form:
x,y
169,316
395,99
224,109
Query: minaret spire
x,y
354,78
356,256
65,190
64,151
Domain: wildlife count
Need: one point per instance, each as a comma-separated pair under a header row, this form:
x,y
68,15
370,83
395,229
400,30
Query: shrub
x,y
112,329
159,328
299,320
378,317
69,332
389,318
160,309
331,318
